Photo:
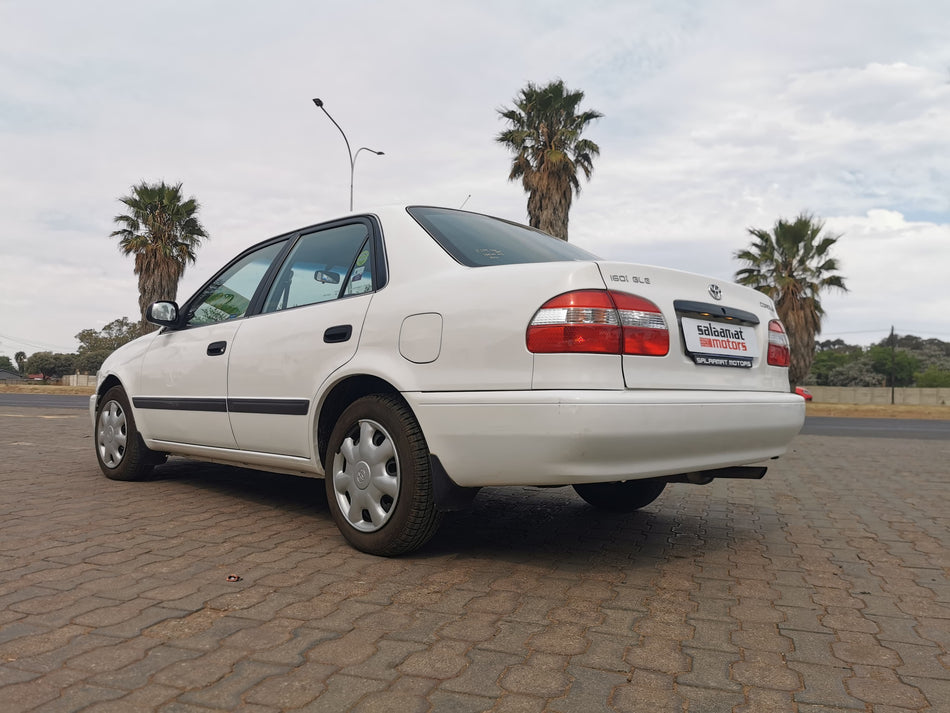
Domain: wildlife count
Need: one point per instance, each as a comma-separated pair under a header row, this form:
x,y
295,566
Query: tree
x,y
162,231
886,361
50,365
793,266
20,359
855,373
827,361
545,136
110,337
95,346
6,364
934,378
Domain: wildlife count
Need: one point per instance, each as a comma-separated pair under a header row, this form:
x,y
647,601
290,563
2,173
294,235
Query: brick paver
x,y
823,587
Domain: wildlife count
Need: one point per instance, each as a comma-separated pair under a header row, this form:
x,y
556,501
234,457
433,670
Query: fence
x,y
878,395
78,380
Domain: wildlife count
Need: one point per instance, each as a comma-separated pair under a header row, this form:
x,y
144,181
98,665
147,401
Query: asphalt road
x,y
877,428
816,426
43,401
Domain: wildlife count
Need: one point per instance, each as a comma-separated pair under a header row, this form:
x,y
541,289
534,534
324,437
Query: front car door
x,y
183,385
309,326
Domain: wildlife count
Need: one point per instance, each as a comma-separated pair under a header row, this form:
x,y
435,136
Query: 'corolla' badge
x,y
715,291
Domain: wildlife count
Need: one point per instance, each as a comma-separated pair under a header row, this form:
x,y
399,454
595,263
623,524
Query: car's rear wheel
x,y
121,453
378,479
624,496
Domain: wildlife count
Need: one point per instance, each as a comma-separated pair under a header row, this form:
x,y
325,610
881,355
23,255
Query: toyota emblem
x,y
715,291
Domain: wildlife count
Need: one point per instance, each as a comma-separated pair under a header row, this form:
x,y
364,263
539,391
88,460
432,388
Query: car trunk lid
x,y
718,331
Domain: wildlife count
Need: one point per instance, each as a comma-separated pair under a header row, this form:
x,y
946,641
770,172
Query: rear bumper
x,y
575,436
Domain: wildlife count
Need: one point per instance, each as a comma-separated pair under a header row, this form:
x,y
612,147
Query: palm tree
x,y
545,136
20,359
163,233
792,265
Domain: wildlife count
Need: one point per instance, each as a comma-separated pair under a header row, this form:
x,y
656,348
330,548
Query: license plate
x,y
720,344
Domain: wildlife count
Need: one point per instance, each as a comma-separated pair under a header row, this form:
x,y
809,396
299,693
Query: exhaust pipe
x,y
704,477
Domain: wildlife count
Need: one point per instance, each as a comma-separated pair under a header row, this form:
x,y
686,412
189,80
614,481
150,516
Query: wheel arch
x,y
341,395
107,383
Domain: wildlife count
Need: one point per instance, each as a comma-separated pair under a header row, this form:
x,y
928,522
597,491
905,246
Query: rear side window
x,y
480,240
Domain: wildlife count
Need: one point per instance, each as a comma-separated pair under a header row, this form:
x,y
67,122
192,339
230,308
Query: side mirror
x,y
164,314
325,276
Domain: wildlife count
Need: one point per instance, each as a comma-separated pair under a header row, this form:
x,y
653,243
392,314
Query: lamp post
x,y
319,103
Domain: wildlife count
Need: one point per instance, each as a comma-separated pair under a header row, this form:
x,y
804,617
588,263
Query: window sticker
x,y
361,260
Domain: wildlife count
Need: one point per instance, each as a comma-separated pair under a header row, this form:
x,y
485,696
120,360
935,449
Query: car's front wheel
x,y
624,496
378,478
121,453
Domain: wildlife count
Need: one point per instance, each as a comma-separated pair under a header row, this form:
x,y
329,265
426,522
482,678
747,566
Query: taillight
x,y
644,328
599,322
779,353
583,321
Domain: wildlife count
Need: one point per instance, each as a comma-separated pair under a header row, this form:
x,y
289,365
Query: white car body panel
x,y
451,340
578,436
177,364
305,363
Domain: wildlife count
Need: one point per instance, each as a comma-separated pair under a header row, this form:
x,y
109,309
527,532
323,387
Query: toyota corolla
x,y
410,356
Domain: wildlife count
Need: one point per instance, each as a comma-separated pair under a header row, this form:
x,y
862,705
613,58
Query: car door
x,y
183,385
309,326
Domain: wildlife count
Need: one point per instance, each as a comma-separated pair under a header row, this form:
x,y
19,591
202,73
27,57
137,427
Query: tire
x,y
121,453
625,496
378,480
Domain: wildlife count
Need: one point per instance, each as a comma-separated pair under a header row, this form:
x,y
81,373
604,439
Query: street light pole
x,y
353,168
352,156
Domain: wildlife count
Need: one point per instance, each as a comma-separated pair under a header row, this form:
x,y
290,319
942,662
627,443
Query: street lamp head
x,y
319,104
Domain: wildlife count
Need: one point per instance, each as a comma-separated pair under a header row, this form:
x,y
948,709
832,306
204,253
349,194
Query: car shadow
x,y
541,525
277,490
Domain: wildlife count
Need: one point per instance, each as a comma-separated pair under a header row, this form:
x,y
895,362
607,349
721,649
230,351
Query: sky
x,y
719,116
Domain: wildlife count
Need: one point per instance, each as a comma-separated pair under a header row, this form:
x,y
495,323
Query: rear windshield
x,y
480,240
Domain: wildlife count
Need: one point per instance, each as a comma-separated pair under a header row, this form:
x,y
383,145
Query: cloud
x,y
719,116
889,266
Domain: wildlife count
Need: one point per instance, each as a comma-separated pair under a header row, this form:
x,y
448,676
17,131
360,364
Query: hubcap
x,y
366,476
112,434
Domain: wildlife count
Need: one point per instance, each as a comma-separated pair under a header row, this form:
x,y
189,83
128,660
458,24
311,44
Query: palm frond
x,y
544,136
161,230
790,263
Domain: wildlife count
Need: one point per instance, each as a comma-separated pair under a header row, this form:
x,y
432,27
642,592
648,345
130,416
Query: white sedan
x,y
413,355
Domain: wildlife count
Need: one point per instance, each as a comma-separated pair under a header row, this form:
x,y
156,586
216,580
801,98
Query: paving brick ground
x,y
824,587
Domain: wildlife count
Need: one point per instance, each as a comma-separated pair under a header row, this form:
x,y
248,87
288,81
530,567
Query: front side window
x,y
324,265
229,294
480,240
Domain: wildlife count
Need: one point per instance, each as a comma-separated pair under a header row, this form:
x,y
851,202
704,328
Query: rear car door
x,y
309,326
183,385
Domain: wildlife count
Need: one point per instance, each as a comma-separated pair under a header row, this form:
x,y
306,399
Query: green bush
x,y
934,378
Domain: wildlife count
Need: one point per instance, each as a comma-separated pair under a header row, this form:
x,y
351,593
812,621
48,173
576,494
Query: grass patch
x,y
47,389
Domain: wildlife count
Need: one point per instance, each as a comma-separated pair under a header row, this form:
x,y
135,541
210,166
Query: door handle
x,y
337,334
217,348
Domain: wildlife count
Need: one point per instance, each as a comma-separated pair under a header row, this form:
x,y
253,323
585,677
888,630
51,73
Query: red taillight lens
x,y
779,353
644,328
599,322
582,321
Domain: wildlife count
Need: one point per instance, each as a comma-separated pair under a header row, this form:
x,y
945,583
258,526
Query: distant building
x,y
9,375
